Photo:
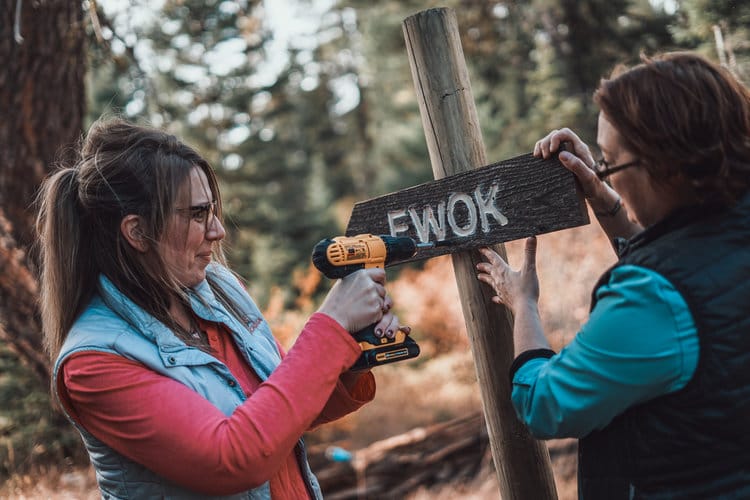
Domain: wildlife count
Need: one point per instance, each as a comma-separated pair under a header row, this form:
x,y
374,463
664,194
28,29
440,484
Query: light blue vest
x,y
113,323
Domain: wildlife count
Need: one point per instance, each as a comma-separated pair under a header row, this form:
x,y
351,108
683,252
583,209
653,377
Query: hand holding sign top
x,y
605,202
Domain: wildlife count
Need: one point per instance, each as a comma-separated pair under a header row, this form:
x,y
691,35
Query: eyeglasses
x,y
603,169
201,213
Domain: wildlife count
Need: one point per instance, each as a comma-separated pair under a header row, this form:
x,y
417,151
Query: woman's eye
x,y
199,214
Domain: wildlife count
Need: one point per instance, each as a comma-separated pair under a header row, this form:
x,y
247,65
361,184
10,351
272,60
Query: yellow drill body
x,y
340,256
362,249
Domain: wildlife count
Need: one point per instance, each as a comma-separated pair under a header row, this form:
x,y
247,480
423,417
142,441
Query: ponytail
x,y
68,276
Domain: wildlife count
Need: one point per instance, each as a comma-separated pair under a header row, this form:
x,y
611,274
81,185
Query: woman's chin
x,y
194,279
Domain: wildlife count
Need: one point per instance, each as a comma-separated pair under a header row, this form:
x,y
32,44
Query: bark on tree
x,y
42,104
42,98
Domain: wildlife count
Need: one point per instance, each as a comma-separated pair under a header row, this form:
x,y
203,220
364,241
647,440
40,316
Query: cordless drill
x,y
341,256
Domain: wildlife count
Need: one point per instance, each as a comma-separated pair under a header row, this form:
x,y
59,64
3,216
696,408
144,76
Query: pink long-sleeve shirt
x,y
173,431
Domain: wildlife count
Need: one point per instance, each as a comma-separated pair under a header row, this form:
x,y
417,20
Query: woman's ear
x,y
132,229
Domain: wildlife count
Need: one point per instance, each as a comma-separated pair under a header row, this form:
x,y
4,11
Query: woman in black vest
x,y
656,384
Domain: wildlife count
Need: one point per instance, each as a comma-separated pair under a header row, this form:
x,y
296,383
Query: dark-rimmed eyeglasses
x,y
200,213
603,169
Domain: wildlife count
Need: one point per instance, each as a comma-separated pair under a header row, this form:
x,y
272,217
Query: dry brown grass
x,y
74,483
441,383
485,485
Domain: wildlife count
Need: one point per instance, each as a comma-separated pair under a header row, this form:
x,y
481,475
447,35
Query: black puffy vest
x,y
694,443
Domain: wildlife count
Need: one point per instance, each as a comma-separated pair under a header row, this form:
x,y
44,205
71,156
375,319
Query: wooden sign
x,y
508,200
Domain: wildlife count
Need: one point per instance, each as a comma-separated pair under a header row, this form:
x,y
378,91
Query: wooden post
x,y
455,144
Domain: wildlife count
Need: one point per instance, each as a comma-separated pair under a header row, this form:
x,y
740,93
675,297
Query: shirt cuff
x,y
363,390
525,356
325,321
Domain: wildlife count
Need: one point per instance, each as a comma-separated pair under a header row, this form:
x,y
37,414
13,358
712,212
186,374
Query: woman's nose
x,y
215,229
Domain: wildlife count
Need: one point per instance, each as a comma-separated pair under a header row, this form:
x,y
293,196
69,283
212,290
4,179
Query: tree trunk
x,y
42,104
454,140
41,97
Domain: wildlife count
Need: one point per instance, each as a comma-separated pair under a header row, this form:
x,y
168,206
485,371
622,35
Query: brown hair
x,y
122,169
683,115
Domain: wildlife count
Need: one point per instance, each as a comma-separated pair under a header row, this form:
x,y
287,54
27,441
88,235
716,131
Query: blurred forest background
x,y
305,107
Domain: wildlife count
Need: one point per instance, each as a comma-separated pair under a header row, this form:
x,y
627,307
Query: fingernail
x,y
389,334
406,329
564,155
378,332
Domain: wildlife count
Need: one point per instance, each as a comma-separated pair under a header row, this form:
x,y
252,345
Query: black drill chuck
x,y
398,248
341,256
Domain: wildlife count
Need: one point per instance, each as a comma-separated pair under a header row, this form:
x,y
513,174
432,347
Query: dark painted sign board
x,y
508,200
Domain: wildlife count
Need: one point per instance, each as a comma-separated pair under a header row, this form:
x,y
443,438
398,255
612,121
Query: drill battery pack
x,y
382,350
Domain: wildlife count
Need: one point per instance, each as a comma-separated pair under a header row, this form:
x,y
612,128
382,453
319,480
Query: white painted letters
x,y
428,222
397,227
477,210
471,226
487,207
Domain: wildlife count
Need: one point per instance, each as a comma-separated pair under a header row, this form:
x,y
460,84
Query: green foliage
x,y
281,149
533,67
719,29
293,157
31,432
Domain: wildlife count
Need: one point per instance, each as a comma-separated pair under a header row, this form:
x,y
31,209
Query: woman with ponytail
x,y
162,360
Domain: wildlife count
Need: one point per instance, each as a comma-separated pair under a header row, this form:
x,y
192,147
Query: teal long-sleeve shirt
x,y
640,342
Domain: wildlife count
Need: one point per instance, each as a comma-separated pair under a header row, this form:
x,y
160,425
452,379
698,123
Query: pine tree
x,y
275,141
720,29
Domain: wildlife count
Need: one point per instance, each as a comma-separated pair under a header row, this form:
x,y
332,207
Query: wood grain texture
x,y
455,144
535,196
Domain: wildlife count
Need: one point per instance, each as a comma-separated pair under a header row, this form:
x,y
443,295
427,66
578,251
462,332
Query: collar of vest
x,y
262,353
203,302
677,219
